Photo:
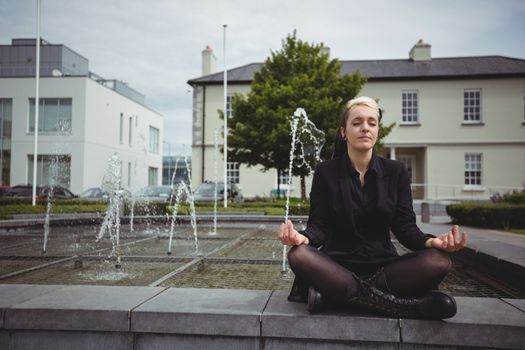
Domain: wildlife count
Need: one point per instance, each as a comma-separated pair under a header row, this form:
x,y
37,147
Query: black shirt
x,y
364,198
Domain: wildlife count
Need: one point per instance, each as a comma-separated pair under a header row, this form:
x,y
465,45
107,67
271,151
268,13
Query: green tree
x,y
298,75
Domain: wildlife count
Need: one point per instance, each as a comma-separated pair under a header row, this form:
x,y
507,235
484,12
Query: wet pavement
x,y
239,256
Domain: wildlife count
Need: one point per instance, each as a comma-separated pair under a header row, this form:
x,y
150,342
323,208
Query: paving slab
x,y
77,340
312,344
285,319
501,250
150,341
518,303
12,294
483,322
87,308
4,340
227,312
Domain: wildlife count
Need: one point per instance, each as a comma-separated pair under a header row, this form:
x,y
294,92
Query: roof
x,y
401,69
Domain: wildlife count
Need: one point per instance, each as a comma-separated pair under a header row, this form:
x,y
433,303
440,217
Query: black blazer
x,y
330,223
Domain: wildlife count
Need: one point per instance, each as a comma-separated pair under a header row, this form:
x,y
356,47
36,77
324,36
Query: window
x,y
54,115
472,106
153,140
283,177
51,170
229,105
232,172
121,138
473,169
129,174
409,114
130,132
6,121
153,176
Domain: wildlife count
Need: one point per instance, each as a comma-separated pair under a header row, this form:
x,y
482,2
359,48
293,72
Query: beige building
x,y
460,122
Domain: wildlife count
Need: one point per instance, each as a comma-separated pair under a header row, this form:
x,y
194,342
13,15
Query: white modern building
x,y
83,120
460,121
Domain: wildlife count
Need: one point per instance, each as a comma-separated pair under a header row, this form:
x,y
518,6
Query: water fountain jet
x,y
309,141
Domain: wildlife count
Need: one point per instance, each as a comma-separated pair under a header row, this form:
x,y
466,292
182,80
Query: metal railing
x,y
445,192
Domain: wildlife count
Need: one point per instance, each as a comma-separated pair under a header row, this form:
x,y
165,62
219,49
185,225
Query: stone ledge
x,y
483,322
284,319
14,294
229,312
94,317
85,308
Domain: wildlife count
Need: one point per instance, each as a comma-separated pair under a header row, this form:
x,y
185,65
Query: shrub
x,y
141,208
515,198
490,215
299,209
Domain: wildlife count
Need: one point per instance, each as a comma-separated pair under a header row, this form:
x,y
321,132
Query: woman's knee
x,y
438,260
298,255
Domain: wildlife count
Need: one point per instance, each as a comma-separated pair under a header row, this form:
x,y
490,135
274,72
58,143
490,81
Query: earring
x,y
344,138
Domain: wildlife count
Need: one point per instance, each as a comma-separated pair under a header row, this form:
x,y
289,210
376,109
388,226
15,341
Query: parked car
x,y
59,192
154,193
206,192
98,194
4,190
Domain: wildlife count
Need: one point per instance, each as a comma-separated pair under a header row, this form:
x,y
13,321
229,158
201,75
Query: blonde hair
x,y
363,101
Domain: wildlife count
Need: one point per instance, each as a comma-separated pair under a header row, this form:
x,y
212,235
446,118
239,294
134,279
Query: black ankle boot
x,y
434,305
378,280
315,300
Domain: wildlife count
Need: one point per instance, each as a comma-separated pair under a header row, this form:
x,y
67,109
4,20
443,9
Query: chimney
x,y
209,61
325,50
420,52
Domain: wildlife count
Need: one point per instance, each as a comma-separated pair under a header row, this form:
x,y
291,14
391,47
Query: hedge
x,y
514,198
269,208
489,215
11,205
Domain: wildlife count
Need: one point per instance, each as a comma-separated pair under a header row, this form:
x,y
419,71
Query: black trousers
x,y
334,274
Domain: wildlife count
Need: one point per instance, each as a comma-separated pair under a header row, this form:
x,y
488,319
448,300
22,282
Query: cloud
x,y
156,46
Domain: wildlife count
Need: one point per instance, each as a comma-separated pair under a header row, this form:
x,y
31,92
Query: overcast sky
x,y
155,46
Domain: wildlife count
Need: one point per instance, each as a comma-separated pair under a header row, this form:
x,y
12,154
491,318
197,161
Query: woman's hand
x,y
449,241
289,236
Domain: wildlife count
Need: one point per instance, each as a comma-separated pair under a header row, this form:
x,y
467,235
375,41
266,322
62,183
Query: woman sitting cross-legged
x,y
345,255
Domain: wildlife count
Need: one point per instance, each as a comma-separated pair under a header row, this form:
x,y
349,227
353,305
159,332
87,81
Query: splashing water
x,y
184,190
63,129
308,141
111,223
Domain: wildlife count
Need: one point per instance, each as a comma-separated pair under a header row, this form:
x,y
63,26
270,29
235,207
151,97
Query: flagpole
x,y
37,99
225,80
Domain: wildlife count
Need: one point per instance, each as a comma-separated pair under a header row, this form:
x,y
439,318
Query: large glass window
x,y
283,177
232,172
51,169
129,174
229,105
473,170
130,132
153,140
6,121
153,176
121,128
472,106
409,110
54,115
